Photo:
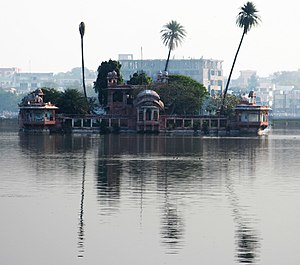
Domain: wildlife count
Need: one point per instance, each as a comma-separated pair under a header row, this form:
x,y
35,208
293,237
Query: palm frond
x,y
248,17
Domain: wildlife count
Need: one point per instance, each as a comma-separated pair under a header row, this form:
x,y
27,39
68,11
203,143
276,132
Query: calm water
x,y
140,199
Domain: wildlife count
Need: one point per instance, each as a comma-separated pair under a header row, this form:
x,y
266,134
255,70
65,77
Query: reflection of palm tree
x,y
247,242
172,223
172,35
82,30
246,19
81,221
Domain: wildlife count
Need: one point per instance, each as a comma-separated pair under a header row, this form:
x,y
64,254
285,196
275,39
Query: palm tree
x,y
172,35
246,19
81,31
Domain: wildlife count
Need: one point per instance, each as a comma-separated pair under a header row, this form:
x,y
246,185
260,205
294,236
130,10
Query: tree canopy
x,y
101,82
214,104
51,95
140,78
172,35
72,101
182,95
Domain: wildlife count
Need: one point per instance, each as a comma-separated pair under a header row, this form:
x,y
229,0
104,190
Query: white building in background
x,y
208,72
25,82
7,76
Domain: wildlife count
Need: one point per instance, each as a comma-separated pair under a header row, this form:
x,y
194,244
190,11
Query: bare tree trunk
x,y
82,66
167,62
228,81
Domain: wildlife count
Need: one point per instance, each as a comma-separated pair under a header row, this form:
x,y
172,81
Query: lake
x,y
136,199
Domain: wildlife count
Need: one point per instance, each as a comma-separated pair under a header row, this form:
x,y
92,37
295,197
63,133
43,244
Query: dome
x,y
149,97
148,92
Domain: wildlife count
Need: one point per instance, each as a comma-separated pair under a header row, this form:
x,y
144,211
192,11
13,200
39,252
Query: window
x,y
148,115
155,115
141,115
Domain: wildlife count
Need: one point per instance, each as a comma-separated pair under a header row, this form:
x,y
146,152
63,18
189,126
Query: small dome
x,y
148,92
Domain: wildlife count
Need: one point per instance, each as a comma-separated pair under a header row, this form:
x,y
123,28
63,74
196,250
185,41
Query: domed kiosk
x,y
148,105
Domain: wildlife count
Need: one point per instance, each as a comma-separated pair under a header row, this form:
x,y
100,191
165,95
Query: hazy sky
x,y
43,36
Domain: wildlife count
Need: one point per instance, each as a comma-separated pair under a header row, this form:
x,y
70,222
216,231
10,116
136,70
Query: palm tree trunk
x,y
82,66
167,62
228,81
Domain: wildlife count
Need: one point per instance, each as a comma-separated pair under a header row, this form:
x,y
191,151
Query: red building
x,y
251,117
141,113
35,114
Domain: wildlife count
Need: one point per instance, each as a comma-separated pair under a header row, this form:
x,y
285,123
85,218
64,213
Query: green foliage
x,y
248,17
72,101
140,78
182,95
196,126
205,127
104,127
51,95
101,82
214,104
172,35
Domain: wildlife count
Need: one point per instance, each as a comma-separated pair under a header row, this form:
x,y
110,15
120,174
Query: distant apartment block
x,y
286,102
208,72
25,82
7,76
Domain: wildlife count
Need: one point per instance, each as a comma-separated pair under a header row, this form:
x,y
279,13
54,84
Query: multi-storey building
x,y
286,102
208,72
6,77
25,82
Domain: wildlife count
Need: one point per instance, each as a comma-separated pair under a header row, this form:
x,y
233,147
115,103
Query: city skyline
x,y
46,37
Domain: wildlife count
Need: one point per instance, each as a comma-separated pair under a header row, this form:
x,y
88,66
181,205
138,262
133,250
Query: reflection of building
x,y
208,72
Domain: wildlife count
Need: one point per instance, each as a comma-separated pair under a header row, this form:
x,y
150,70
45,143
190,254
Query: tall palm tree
x,y
81,31
172,35
246,19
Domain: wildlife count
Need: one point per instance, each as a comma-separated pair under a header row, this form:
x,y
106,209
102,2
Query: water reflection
x,y
247,244
135,173
54,153
246,235
108,186
81,233
59,157
172,224
142,161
